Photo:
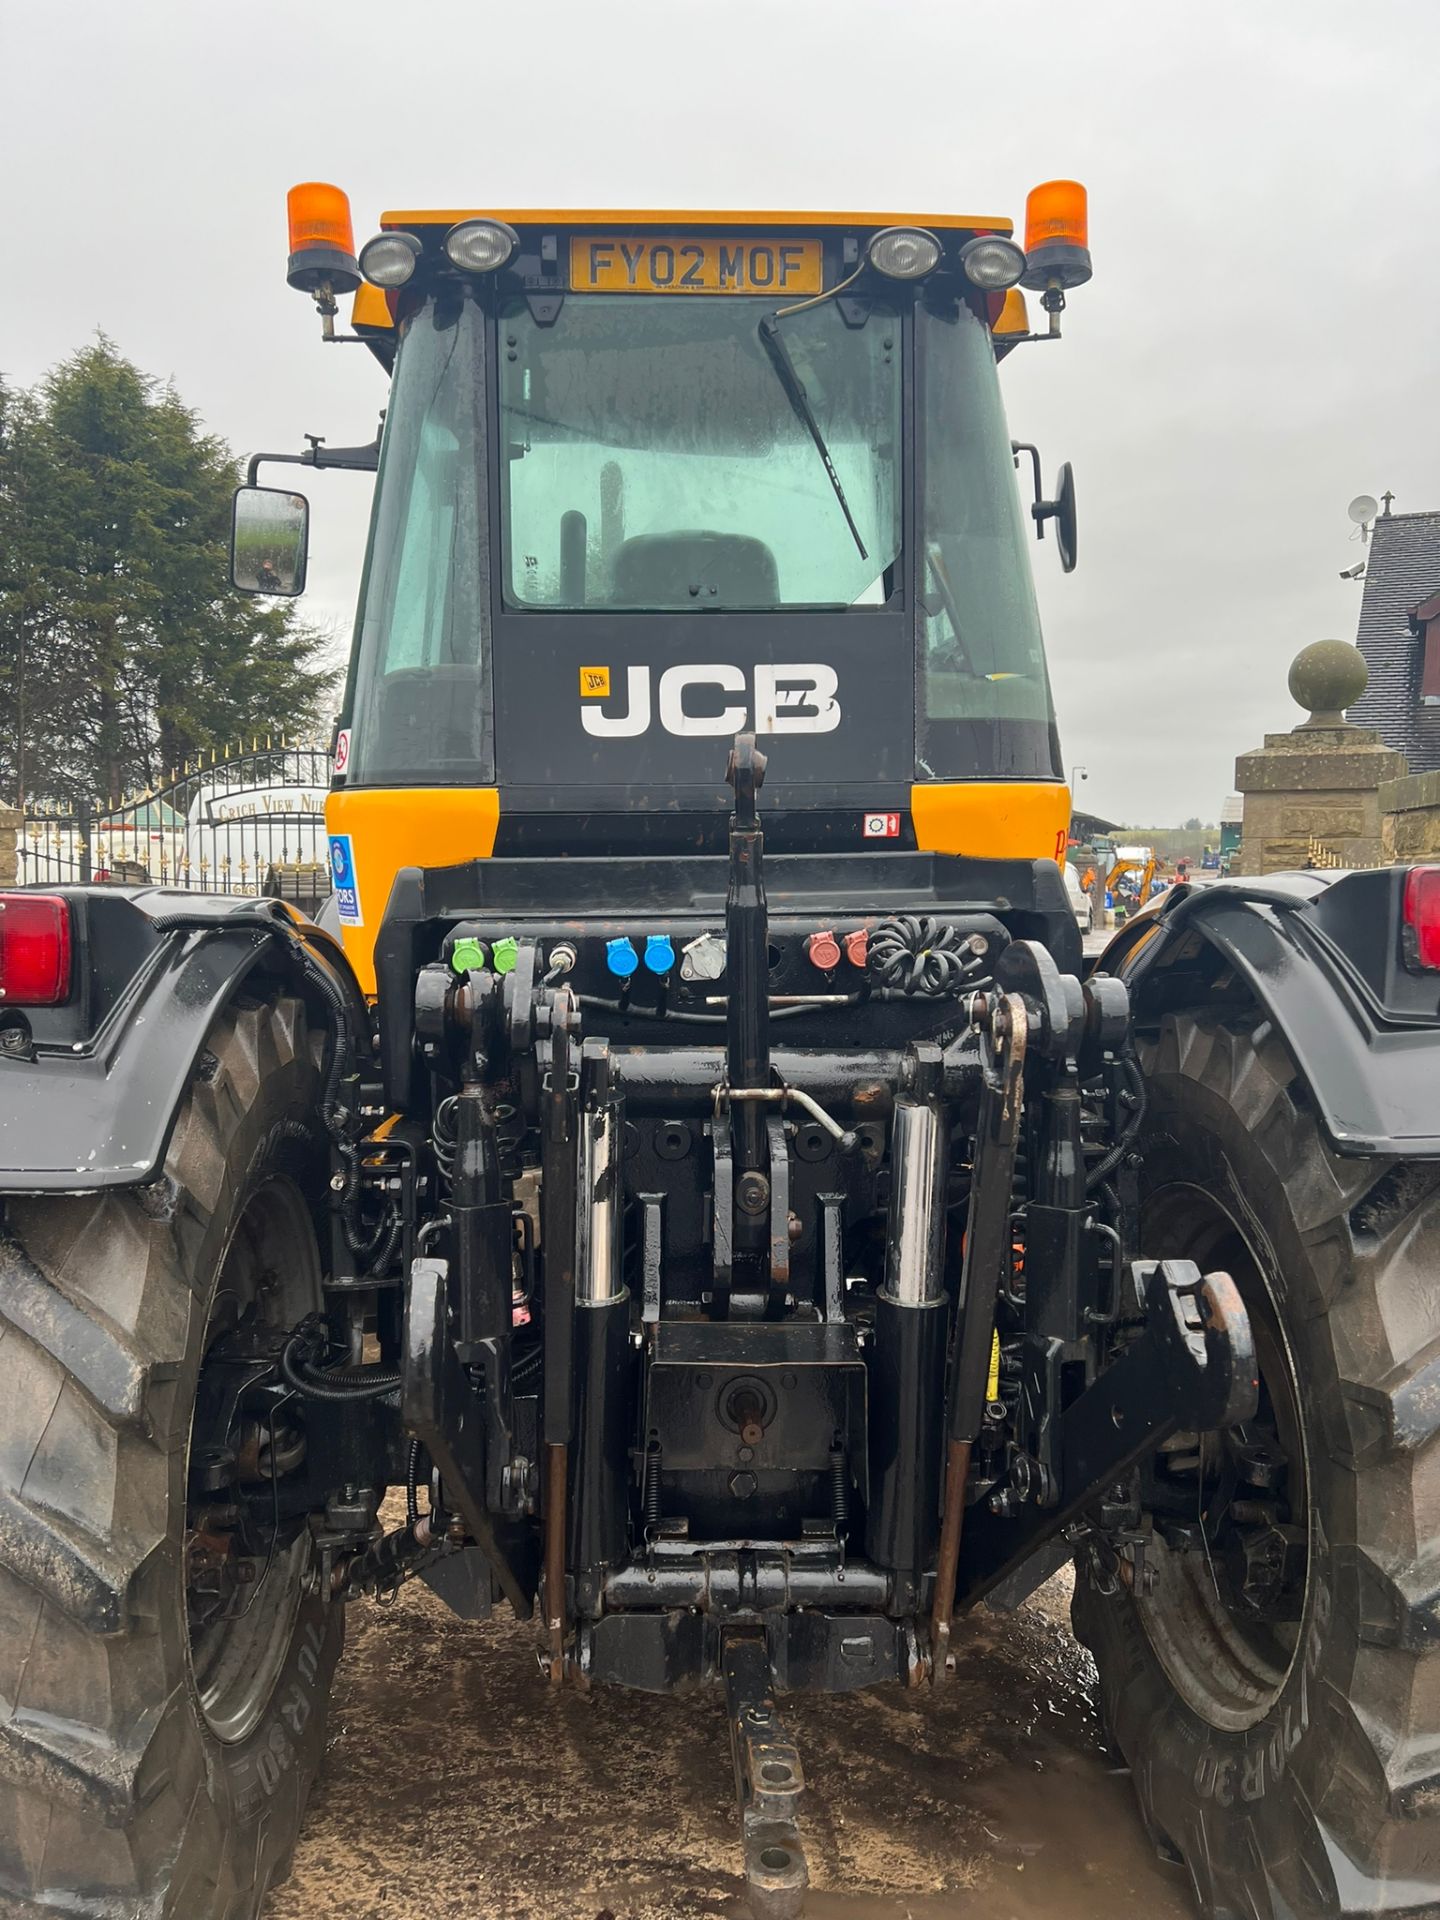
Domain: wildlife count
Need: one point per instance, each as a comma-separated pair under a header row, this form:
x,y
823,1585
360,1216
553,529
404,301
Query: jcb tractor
x,y
689,1158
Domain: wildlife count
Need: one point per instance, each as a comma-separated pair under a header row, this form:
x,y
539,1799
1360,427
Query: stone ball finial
x,y
1325,678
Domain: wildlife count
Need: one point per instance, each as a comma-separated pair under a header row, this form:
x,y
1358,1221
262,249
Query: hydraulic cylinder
x,y
907,1371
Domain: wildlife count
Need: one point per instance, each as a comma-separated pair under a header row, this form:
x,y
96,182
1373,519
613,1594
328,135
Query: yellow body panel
x,y
370,307
395,827
993,819
1014,315
695,217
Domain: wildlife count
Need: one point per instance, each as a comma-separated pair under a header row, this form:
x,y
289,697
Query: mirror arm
x,y
1017,447
257,460
356,459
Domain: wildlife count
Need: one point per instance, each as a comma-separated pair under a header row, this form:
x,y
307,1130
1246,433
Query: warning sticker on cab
x,y
342,876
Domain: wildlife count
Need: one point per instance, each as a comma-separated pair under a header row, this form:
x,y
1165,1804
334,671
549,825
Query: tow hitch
x,y
769,1779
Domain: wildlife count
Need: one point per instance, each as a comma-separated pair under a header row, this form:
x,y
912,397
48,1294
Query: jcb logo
x,y
696,700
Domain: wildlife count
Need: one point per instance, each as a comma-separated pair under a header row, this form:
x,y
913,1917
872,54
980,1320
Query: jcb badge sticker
x,y
342,875
713,698
882,826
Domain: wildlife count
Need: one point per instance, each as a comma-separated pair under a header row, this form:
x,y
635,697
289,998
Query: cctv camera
x,y
1357,572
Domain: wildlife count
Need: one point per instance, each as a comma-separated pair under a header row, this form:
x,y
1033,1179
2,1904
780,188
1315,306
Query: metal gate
x,y
250,823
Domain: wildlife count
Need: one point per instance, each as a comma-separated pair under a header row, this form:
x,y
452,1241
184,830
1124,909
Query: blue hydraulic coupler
x,y
621,958
659,953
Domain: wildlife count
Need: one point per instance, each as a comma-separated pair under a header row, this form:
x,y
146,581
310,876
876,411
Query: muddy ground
x,y
458,1785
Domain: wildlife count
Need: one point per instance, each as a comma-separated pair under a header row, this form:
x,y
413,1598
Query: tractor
x,y
688,1159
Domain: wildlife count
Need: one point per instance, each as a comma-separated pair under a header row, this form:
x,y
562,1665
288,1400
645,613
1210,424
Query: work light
x,y
988,261
905,253
389,259
480,246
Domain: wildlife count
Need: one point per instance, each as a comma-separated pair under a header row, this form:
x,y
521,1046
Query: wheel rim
x,y
1228,1568
243,1579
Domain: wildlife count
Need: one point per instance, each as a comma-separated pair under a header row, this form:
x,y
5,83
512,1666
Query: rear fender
x,y
1320,955
90,1098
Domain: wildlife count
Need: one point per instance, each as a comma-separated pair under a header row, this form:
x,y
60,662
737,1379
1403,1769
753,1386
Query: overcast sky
x,y
1258,344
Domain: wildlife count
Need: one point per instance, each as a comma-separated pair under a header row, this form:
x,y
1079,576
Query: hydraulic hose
x,y
1104,1168
336,1384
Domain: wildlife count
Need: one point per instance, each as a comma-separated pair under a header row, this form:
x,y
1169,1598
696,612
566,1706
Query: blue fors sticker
x,y
347,886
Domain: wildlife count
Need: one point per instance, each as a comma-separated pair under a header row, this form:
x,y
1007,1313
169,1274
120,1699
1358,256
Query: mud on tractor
x,y
689,1156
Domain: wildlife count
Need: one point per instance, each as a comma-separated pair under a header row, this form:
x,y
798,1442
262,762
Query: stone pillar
x,y
1411,817
1322,781
11,823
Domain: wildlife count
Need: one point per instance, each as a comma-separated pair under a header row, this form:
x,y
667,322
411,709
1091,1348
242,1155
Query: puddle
x,y
457,1785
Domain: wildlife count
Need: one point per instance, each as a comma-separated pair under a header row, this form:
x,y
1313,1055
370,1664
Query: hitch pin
x,y
780,1096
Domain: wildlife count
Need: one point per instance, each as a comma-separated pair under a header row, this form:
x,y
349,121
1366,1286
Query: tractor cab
x,y
648,481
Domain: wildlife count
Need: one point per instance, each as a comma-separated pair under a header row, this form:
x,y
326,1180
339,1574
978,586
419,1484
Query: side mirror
x,y
269,541
1062,511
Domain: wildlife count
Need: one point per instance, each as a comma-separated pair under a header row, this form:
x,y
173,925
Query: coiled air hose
x,y
916,954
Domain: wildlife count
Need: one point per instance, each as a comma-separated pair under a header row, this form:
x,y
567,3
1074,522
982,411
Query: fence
x,y
1329,859
251,823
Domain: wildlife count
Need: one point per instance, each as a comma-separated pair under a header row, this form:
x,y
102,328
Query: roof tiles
x,y
1402,571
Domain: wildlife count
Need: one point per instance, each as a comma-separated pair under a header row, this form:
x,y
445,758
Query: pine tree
x,y
123,649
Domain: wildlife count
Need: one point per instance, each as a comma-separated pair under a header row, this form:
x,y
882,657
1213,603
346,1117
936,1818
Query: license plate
x,y
673,263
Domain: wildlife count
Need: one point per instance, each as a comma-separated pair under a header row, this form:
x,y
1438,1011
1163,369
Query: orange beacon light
x,y
322,240
1057,250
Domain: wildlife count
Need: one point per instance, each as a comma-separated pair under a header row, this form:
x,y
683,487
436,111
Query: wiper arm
x,y
779,356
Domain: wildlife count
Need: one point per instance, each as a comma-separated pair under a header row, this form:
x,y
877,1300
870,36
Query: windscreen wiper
x,y
779,355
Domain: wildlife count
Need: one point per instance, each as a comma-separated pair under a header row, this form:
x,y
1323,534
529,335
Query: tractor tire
x,y
145,1771
1284,1737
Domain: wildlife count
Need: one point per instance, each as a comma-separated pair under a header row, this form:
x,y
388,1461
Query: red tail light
x,y
1421,932
34,950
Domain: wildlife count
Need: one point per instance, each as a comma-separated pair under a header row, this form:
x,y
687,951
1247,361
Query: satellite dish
x,y
1363,509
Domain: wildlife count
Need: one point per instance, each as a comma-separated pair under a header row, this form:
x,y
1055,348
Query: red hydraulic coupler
x,y
823,950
